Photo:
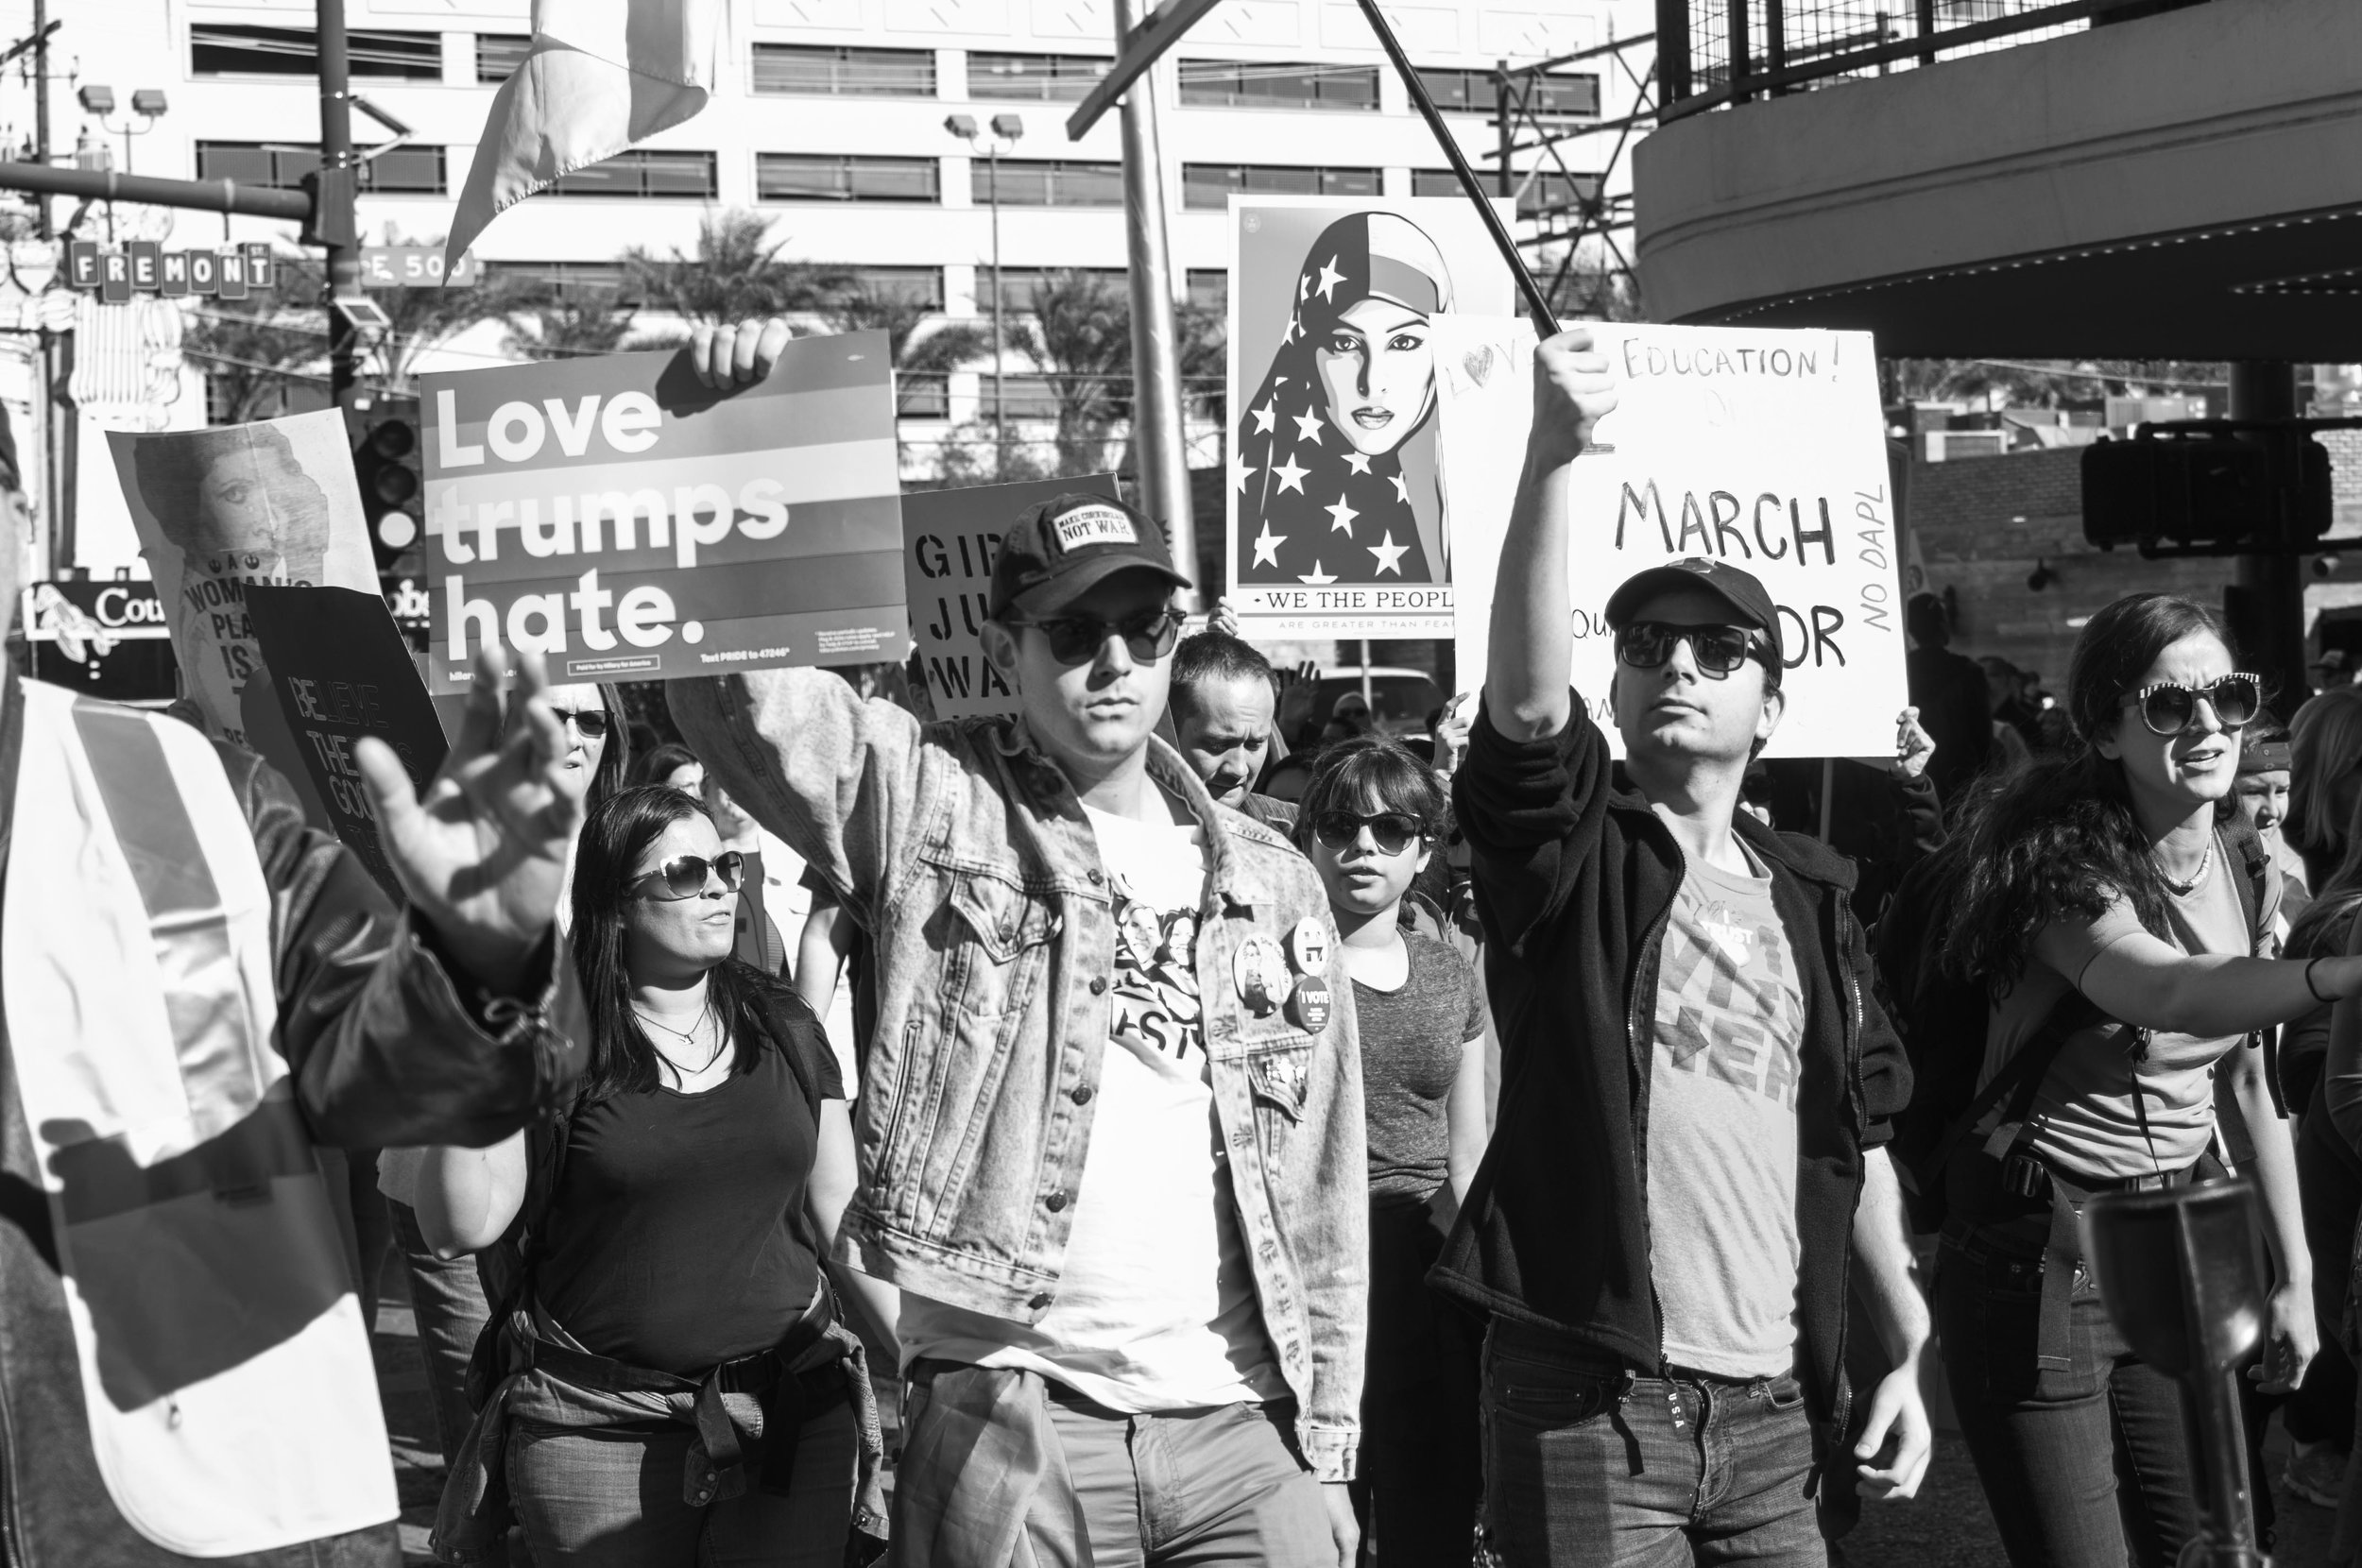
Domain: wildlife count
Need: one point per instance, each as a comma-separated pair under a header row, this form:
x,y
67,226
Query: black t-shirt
x,y
678,1238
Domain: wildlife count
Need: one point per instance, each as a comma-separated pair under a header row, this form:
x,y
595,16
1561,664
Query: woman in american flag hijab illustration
x,y
1335,463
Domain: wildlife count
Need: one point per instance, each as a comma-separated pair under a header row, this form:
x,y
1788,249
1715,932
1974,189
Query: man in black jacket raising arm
x,y
1697,1083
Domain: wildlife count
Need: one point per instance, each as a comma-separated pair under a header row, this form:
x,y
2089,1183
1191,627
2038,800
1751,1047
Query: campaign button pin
x,y
1259,973
1308,1006
1308,946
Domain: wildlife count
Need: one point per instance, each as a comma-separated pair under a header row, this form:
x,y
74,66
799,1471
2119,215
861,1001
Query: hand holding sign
x,y
481,853
738,354
1574,388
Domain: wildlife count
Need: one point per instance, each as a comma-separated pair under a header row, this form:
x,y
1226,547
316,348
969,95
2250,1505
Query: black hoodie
x,y
1574,882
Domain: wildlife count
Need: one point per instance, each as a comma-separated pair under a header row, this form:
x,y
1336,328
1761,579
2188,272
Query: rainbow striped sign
x,y
630,523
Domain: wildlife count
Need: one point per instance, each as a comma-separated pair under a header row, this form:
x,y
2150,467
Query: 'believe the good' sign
x,y
630,523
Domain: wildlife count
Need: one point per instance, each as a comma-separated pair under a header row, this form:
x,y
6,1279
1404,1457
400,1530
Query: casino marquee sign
x,y
143,266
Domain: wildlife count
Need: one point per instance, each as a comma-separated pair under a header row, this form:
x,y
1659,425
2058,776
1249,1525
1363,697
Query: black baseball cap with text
x,y
1749,603
1059,551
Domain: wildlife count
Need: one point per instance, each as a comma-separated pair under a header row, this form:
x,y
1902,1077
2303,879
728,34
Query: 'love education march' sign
x,y
1759,448
633,524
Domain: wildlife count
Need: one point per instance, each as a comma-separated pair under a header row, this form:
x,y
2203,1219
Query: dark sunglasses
x,y
2169,706
1077,639
591,722
1392,831
684,876
1719,650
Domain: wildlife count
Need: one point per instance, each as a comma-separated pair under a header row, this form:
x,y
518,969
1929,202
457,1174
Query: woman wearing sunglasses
x,y
679,1389
1370,819
446,1293
2125,941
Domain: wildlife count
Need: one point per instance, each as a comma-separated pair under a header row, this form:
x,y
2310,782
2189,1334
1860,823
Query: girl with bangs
x,y
1370,819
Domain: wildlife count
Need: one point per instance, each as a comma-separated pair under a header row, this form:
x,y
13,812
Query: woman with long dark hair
x,y
1371,818
2121,936
446,1293
2325,778
673,1228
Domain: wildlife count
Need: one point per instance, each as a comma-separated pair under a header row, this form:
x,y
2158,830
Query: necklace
x,y
687,1037
2182,890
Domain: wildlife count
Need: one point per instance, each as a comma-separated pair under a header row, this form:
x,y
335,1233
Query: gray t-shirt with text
x,y
1722,1137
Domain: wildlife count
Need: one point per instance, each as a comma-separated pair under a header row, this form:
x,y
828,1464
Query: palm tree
x,y
252,350
864,307
423,319
1081,334
561,325
736,275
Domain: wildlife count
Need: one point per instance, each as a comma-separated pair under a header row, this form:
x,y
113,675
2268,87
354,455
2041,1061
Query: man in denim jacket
x,y
1110,1133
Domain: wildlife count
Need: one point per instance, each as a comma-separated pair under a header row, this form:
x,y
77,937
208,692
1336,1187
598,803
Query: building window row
x,y
1256,84
823,176
1209,186
611,281
220,50
281,165
1561,94
1542,193
800,70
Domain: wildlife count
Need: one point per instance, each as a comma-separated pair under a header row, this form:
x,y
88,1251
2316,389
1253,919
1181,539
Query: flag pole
x,y
1544,320
1157,436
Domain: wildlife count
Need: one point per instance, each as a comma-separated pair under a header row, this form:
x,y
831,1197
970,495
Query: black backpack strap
x,y
2256,869
2019,1079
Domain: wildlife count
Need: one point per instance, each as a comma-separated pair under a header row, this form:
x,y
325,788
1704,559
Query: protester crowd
x,y
1499,1149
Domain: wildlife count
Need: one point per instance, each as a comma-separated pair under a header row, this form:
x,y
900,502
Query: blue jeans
x,y
996,1461
447,1301
610,1497
2087,1467
1586,1465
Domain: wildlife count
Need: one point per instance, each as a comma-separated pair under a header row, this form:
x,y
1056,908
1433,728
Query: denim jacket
x,y
965,853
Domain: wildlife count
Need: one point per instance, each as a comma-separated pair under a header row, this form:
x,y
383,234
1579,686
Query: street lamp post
x,y
146,102
1009,128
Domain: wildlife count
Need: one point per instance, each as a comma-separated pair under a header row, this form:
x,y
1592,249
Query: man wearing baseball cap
x,y
1696,1081
1110,1134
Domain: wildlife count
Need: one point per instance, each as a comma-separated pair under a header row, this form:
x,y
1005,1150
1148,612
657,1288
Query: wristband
x,y
2310,986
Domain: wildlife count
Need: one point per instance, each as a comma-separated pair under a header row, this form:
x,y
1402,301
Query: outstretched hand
x,y
482,851
738,354
1574,388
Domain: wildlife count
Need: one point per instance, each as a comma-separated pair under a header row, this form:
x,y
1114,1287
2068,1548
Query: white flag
x,y
600,76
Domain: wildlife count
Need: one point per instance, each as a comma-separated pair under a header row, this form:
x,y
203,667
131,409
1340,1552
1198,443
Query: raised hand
x,y
738,354
1574,388
1223,618
482,852
1913,745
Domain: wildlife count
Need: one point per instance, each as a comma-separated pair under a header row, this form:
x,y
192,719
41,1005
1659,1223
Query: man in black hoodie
x,y
1696,1083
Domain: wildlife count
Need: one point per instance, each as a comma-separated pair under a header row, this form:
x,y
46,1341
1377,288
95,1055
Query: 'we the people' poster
x,y
1764,449
631,523
1341,496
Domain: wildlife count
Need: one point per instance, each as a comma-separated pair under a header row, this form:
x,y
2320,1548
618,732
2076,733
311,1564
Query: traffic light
x,y
2211,487
385,460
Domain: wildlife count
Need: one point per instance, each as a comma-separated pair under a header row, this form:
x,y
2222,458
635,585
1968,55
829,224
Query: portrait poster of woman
x,y
219,508
1339,502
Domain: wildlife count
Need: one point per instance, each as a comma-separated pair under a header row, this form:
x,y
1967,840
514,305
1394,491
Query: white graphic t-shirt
x,y
1155,1308
1730,1016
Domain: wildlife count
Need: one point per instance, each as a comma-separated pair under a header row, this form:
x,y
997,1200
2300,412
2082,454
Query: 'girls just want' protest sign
x,y
631,523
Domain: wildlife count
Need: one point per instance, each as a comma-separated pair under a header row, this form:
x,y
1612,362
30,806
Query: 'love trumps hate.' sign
x,y
630,523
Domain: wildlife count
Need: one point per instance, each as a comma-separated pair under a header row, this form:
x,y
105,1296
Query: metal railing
x,y
1713,53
